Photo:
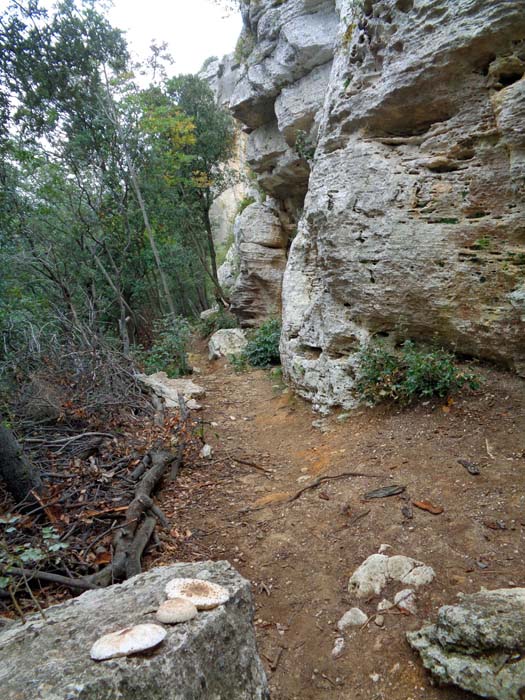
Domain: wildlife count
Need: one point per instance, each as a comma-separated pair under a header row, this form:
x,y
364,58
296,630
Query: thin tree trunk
x,y
16,471
140,199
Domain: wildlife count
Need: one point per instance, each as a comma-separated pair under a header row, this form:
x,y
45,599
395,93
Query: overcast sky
x,y
193,29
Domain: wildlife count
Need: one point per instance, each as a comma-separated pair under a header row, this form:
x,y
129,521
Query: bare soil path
x,y
299,555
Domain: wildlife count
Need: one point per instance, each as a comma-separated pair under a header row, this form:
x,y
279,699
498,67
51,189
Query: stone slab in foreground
x,y
478,644
211,657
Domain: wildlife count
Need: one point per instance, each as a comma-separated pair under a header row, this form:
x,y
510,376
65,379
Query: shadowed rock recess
x,y
389,137
212,655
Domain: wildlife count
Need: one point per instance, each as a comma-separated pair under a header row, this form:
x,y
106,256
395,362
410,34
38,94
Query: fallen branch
x,y
129,539
317,482
81,584
250,464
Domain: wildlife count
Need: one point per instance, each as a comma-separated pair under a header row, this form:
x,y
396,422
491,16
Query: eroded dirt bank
x,y
300,554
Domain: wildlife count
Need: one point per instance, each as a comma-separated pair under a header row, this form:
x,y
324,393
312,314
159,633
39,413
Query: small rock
x,y
225,342
339,647
384,605
206,452
375,677
383,548
406,600
378,569
379,620
193,405
352,618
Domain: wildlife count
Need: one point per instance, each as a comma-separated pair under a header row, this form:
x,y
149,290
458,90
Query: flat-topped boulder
x,y
212,655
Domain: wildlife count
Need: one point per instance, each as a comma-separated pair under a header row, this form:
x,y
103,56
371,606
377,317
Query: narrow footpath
x,y
299,549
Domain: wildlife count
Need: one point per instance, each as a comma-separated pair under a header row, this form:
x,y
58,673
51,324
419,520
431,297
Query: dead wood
x,y
313,485
128,543
16,471
81,584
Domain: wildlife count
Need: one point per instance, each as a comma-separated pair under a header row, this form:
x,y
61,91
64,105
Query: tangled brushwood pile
x,y
99,447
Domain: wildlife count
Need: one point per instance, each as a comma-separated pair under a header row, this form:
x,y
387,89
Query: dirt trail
x,y
299,555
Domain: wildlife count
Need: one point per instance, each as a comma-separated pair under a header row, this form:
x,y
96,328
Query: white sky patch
x,y
193,29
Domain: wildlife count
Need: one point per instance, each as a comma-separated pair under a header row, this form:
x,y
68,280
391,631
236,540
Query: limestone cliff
x,y
393,131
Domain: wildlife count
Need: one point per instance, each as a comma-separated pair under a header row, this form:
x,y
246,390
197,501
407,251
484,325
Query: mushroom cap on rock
x,y
176,610
129,640
205,595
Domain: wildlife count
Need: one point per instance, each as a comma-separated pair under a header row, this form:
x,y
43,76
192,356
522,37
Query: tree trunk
x,y
16,471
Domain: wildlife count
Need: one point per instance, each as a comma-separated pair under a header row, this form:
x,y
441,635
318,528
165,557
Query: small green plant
x,y
262,350
481,243
303,145
214,322
238,362
245,202
168,352
409,374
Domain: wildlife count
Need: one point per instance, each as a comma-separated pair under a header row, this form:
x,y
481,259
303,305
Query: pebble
x,y
379,620
339,647
352,618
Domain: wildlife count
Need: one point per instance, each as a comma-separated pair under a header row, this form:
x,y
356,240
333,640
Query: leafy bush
x,y
222,319
245,202
262,349
409,373
168,352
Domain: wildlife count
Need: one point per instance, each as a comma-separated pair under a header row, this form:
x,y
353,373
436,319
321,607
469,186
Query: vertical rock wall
x,y
394,131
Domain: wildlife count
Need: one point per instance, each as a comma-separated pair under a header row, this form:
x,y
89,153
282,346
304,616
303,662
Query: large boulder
x,y
225,342
169,388
212,656
478,644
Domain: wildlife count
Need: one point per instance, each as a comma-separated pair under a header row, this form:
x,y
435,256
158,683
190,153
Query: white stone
x,y
169,389
206,452
370,578
352,618
338,648
406,600
225,342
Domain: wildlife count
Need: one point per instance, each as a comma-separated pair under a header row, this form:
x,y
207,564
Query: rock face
x,y
478,644
211,656
391,135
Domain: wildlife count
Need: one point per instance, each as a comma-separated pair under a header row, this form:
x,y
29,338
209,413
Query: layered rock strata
x,y
478,644
410,149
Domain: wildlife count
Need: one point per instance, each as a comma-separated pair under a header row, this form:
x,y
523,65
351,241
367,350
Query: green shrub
x,y
245,202
222,319
169,350
262,349
409,374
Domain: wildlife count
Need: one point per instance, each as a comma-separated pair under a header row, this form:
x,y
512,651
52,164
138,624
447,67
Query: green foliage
x,y
244,47
409,374
245,202
169,350
221,319
303,145
262,350
208,62
238,362
15,551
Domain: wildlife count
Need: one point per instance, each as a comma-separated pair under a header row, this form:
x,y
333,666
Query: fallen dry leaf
x,y
429,507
